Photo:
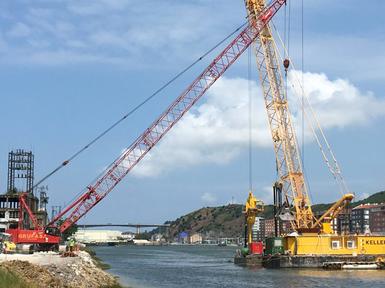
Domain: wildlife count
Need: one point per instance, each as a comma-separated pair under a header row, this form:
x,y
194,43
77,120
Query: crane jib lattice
x,y
152,135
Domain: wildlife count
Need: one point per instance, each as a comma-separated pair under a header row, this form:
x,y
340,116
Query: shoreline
x,y
103,266
49,269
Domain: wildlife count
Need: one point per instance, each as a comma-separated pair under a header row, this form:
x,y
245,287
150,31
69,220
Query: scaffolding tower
x,y
20,171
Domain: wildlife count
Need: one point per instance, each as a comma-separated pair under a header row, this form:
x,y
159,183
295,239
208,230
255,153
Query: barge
x,y
319,251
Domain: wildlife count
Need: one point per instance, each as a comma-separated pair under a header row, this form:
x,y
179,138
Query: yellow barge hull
x,y
324,244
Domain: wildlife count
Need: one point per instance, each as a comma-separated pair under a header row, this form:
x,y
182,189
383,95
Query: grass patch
x,y
8,279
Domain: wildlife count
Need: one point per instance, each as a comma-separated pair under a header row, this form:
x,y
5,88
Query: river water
x,y
211,266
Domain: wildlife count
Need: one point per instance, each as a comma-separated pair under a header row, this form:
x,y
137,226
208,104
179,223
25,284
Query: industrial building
x,y
284,227
21,180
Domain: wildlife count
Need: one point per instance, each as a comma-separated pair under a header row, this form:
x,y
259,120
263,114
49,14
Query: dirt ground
x,y
48,269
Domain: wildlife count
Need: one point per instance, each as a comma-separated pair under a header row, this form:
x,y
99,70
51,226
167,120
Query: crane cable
x,y
137,107
286,39
303,85
250,120
335,171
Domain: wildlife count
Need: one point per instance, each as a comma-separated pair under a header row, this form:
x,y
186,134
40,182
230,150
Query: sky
x,y
69,69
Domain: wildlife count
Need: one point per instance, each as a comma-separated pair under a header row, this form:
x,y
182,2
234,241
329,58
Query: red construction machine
x,y
49,236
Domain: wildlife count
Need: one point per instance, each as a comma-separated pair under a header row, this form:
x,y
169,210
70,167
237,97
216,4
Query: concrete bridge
x,y
137,226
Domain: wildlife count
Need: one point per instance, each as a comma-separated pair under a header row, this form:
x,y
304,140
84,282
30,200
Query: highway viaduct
x,y
137,226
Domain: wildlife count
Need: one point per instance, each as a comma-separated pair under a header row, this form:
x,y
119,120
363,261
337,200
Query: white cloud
x,y
63,56
217,131
265,194
19,30
109,38
109,30
97,6
208,198
40,12
338,103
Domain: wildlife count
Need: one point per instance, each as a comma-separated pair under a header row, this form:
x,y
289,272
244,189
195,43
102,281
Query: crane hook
x,y
286,64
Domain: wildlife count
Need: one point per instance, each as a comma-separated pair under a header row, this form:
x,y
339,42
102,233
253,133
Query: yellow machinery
x,y
330,244
252,208
326,219
282,132
313,236
7,246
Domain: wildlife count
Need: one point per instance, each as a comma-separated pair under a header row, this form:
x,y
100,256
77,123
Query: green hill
x,y
378,197
374,198
228,221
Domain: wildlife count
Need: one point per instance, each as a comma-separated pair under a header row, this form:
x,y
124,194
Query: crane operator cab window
x,y
52,231
336,244
351,244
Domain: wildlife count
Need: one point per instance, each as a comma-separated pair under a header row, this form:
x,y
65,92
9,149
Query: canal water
x,y
211,266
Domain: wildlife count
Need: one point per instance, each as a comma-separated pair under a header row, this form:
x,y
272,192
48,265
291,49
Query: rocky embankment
x,y
51,270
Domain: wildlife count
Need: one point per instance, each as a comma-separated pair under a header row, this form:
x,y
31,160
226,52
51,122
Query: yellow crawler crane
x,y
312,236
282,132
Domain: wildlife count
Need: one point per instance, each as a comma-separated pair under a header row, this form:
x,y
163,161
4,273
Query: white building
x,y
258,229
195,238
98,236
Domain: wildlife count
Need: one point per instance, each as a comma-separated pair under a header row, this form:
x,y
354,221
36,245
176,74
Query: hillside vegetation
x,y
223,221
228,221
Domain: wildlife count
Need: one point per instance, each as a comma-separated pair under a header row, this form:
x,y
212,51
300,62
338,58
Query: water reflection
x,y
360,274
211,266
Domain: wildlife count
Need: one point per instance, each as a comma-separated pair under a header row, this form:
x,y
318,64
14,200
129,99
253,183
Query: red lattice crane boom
x,y
144,143
113,174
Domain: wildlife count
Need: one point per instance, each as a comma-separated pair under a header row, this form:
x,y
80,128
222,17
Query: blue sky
x,y
70,68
